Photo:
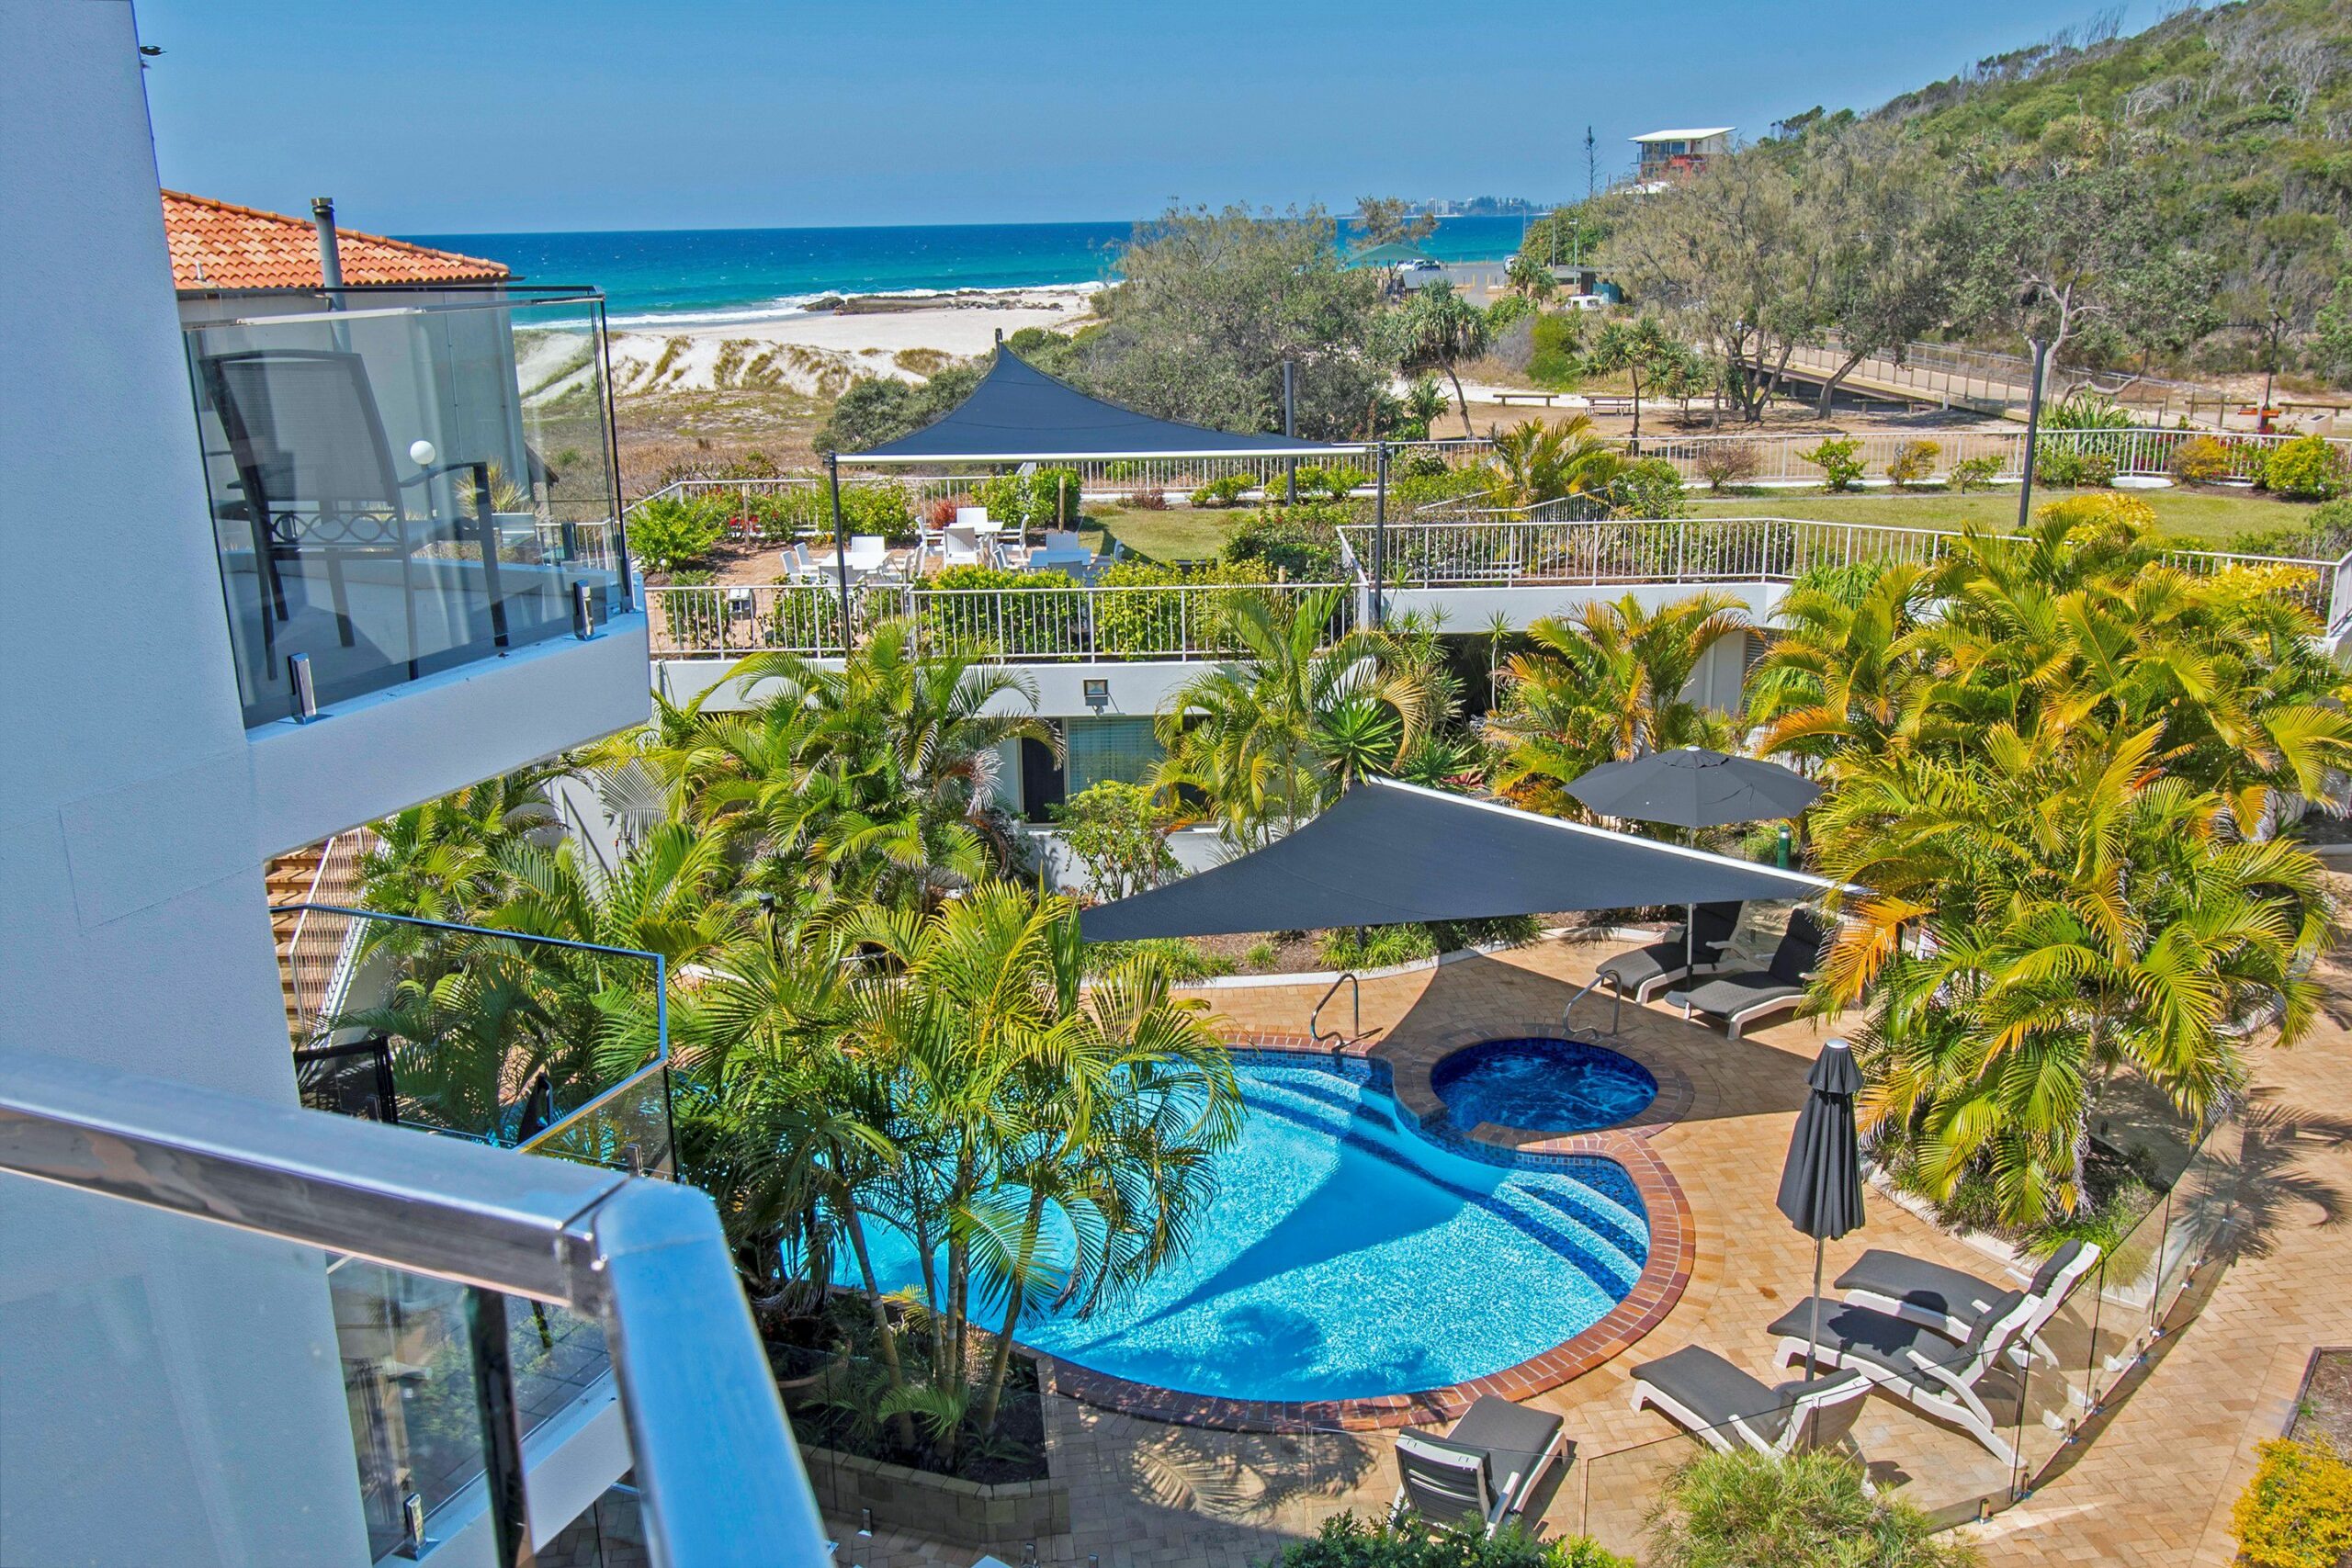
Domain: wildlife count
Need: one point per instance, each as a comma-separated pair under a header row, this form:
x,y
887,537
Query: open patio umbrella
x,y
1821,1184
1694,787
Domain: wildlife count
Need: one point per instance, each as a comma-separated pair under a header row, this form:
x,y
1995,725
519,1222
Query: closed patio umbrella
x,y
1694,787
1821,1184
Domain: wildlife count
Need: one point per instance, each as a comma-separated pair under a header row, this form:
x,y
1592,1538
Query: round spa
x,y
1541,1085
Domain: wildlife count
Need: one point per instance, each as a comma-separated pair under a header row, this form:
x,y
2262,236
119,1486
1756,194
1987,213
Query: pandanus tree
x,y
1536,462
1274,736
1435,330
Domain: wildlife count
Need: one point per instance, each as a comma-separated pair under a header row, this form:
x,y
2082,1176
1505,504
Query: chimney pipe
x,y
330,258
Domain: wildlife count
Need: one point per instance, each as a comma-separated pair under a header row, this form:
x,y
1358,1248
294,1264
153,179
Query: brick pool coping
x,y
1664,1276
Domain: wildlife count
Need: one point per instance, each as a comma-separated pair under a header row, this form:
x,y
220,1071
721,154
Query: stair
x,y
325,872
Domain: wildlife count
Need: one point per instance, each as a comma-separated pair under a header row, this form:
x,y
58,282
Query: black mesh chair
x,y
315,475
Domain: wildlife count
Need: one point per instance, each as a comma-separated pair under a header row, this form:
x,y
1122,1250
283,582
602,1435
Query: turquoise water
x,y
1550,1086
1345,1256
716,274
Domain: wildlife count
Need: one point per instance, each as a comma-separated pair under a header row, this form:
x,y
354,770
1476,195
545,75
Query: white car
x,y
1586,302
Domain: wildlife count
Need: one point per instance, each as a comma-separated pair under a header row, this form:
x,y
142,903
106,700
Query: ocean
x,y
693,276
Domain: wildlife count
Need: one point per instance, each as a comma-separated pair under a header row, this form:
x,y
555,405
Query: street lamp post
x,y
2032,432
841,545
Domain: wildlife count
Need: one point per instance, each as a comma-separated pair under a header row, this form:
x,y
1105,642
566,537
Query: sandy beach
x,y
819,351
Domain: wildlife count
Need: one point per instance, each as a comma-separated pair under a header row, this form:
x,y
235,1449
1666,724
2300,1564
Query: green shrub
x,y
1408,495
1349,1542
1976,473
2307,468
1556,344
675,532
1162,623
1506,311
1181,958
1118,833
1420,466
2201,460
2088,410
1913,462
1043,612
1336,482
1261,955
2298,1511
878,509
1296,544
2070,467
1651,488
1804,1511
1224,492
1839,460
1374,947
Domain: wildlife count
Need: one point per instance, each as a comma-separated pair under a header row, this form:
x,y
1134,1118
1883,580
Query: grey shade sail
x,y
1694,787
1020,414
1821,1181
1391,852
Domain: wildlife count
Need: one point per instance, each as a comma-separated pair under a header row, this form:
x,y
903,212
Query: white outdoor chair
x,y
797,565
868,553
962,546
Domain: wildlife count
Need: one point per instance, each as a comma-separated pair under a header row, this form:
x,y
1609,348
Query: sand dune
x,y
906,336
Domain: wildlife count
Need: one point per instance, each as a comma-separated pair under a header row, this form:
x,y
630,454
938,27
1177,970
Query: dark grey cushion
x,y
1930,1286
1799,953
1513,1437
2046,1279
1727,994
1717,1392
1880,1340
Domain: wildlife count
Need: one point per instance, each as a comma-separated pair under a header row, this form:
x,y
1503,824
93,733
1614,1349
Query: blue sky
x,y
458,116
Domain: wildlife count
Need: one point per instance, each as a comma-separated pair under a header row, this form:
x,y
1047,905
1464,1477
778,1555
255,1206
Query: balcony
x,y
402,489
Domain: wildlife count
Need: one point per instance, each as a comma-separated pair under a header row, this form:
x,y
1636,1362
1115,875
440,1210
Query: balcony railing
x,y
1019,624
1629,551
383,1054
476,1293
409,486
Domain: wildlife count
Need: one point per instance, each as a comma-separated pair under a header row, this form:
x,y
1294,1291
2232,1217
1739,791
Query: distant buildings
x,y
1670,154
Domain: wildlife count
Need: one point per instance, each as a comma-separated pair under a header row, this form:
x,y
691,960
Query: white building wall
x,y
168,1392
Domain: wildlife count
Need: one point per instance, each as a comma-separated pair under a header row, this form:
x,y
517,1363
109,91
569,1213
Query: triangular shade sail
x,y
1391,852
1020,414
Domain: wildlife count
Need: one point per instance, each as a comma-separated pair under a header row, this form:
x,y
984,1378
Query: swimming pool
x,y
1347,1254
1550,1086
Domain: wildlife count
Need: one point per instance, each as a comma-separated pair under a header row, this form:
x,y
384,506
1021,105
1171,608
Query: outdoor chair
x,y
962,546
1726,1408
1953,1303
1912,1362
316,483
868,553
1682,950
1061,551
1746,994
1484,1466
797,565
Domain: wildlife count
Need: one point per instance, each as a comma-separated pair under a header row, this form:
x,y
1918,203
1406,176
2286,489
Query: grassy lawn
x,y
2204,518
1178,534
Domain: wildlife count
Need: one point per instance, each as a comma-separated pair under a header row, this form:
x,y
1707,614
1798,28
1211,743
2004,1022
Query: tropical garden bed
x,y
2326,1408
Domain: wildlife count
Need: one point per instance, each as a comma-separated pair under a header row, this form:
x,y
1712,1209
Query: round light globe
x,y
421,452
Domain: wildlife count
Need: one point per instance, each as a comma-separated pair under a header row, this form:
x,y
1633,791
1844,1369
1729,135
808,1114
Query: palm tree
x,y
435,860
1605,684
1056,1137
2041,912
1437,329
1536,462
1836,674
1531,277
877,777
1273,737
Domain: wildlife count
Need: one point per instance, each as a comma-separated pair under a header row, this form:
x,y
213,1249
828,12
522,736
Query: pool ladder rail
x,y
1355,995
1616,1013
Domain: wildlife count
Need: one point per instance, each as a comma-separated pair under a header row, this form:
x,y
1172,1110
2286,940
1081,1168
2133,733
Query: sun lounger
x,y
1779,986
1484,1466
1912,1362
1953,1303
1726,1408
1674,955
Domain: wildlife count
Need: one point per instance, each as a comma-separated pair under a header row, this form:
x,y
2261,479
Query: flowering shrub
x,y
2308,469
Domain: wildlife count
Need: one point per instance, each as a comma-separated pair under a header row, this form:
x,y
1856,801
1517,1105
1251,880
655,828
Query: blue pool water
x,y
1551,1086
1346,1255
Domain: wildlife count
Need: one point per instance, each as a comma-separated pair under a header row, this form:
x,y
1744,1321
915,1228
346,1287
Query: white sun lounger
x,y
1727,1409
1483,1467
1912,1362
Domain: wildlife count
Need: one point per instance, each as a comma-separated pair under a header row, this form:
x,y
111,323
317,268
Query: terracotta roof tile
x,y
218,244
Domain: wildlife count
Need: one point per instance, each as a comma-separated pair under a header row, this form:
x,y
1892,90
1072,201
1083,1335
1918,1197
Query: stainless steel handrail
x,y
1355,995
721,1479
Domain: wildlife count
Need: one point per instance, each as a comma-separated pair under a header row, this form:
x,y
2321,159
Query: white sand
x,y
820,352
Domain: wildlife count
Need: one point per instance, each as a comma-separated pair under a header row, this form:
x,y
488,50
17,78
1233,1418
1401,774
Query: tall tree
x,y
1211,305
1437,329
1391,221
1651,358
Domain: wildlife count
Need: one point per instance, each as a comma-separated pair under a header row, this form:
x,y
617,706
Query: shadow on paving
x,y
1753,1078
